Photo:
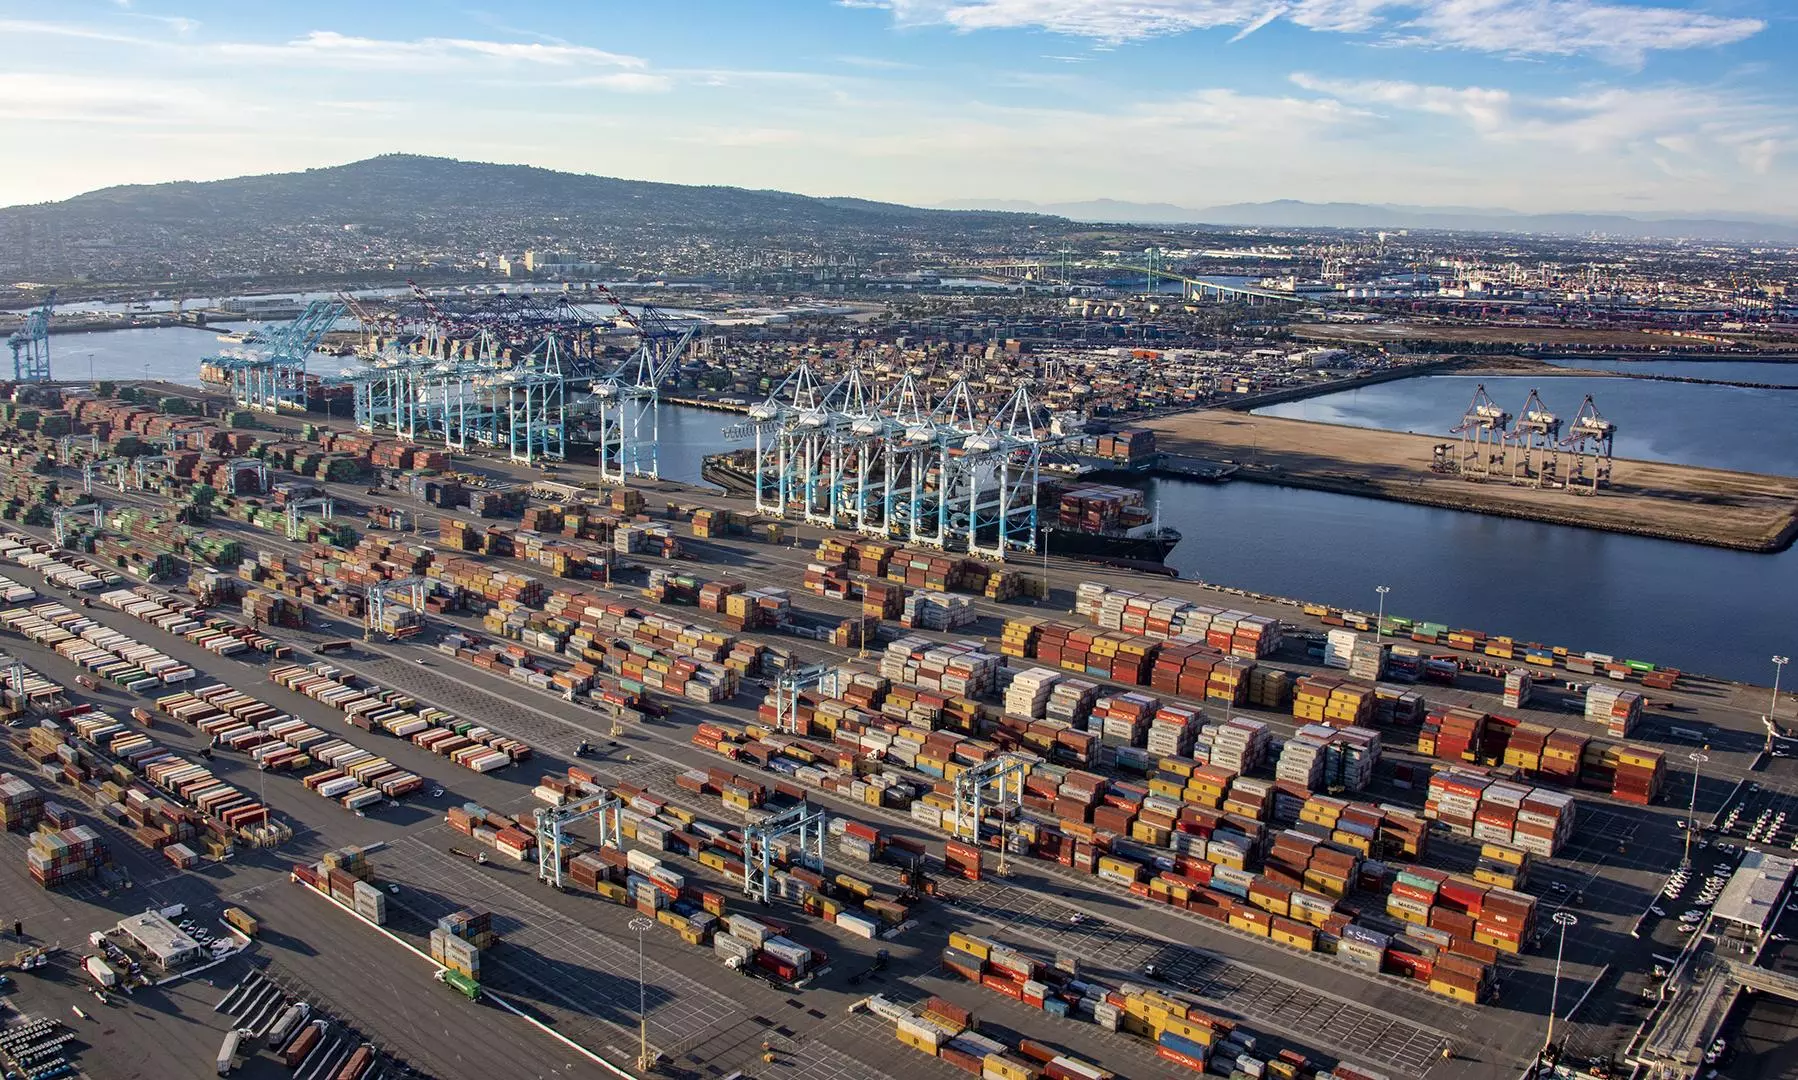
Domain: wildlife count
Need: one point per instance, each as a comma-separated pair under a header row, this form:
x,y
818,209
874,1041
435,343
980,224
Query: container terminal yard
x,y
310,716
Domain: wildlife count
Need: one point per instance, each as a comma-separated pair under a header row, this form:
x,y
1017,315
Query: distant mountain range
x,y
1291,213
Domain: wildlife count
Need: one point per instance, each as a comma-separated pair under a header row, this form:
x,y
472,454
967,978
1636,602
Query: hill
x,y
404,210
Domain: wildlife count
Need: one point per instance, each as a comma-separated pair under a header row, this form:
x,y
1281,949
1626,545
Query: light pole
x,y
1779,666
1697,759
1563,919
640,924
1379,627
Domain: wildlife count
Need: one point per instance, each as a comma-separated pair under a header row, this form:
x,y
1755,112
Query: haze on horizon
x,y
1620,106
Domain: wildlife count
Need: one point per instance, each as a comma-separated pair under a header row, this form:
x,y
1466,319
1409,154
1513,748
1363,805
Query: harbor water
x,y
1724,427
1702,609
1769,373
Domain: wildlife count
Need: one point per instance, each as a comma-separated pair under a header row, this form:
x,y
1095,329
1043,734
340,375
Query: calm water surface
x,y
1702,609
1752,371
1726,427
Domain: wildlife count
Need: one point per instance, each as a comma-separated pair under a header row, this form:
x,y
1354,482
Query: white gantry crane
x,y
628,397
1536,440
937,472
1589,440
1484,430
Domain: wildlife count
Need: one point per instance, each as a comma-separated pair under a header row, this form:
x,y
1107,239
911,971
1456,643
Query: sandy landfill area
x,y
1746,511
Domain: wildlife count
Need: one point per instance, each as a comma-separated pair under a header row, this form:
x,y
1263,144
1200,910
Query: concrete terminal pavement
x,y
405,677
774,561
415,856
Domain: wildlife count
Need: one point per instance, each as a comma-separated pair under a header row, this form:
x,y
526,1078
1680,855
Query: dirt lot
x,y
1746,511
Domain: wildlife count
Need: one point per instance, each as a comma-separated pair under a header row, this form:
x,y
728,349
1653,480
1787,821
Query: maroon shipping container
x,y
358,1064
949,1011
303,1044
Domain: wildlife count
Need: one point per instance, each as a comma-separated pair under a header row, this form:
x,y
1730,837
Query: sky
x,y
1631,106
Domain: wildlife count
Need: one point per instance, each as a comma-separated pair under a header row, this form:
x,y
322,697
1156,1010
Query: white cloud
x,y
326,48
1625,33
1697,123
35,28
1618,31
628,82
875,63
180,24
83,99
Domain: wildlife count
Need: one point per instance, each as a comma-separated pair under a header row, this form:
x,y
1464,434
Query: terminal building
x,y
161,940
1754,898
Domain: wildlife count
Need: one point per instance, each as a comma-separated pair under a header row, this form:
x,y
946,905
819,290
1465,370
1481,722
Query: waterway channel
x,y
1703,609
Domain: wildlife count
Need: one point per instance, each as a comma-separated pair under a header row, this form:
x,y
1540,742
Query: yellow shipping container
x,y
1498,943
1455,992
1503,853
1178,766
1137,1026
1155,835
1167,789
1000,1067
968,943
915,1042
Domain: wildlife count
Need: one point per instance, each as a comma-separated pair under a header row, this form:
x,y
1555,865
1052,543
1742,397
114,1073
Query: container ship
x,y
1107,521
318,393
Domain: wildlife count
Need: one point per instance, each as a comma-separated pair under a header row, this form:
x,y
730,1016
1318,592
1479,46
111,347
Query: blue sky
x,y
1616,105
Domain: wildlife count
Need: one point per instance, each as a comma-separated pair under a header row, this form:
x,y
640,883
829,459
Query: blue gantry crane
x,y
272,376
31,344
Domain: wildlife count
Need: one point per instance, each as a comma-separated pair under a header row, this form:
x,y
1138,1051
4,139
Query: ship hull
x,y
1150,548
